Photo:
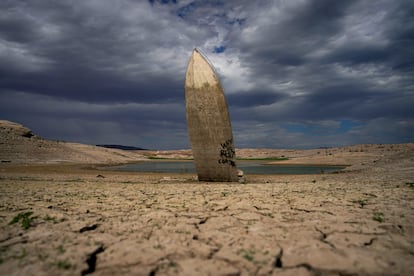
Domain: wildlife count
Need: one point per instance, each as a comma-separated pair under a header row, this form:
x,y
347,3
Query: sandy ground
x,y
82,220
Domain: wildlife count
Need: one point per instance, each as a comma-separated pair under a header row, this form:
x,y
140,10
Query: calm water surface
x,y
248,167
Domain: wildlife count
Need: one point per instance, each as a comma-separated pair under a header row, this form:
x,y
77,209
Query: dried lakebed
x,y
78,220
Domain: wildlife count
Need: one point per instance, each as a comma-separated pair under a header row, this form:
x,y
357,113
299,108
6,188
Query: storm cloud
x,y
296,74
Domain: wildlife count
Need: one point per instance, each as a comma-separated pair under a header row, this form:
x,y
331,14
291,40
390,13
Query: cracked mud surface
x,y
95,222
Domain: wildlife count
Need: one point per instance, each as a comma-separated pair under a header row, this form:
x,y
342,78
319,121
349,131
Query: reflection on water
x,y
248,167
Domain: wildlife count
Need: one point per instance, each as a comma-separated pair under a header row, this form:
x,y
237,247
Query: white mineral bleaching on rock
x,y
208,122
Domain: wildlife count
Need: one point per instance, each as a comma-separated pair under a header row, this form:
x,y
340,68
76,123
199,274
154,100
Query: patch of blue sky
x,y
236,21
219,49
347,125
297,128
189,8
185,10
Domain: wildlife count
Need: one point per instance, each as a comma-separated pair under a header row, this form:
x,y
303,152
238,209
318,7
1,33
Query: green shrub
x,y
378,216
24,218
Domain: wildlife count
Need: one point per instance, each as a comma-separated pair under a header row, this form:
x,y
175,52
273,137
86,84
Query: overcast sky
x,y
296,74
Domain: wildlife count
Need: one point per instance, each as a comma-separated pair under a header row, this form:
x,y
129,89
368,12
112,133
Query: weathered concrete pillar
x,y
208,122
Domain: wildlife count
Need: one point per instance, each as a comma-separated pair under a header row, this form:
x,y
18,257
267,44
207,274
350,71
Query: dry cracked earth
x,y
72,220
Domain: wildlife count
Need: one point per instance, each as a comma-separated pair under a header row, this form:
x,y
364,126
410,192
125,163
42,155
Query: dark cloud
x,y
359,54
320,18
295,73
253,99
162,1
289,33
93,55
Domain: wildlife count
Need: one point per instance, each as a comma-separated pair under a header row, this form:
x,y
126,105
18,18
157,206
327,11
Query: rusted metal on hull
x,y
208,122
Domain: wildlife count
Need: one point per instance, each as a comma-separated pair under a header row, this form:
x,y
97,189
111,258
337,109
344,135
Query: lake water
x,y
248,167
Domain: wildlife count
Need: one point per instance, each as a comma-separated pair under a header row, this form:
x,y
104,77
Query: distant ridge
x,y
120,147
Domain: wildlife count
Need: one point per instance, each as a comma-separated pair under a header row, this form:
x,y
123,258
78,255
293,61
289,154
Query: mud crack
x,y
278,259
91,261
370,242
323,237
312,211
320,271
204,220
88,228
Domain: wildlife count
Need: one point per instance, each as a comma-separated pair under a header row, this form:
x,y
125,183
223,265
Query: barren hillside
x,y
19,145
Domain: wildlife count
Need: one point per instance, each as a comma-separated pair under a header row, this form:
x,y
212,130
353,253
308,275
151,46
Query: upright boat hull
x,y
208,122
